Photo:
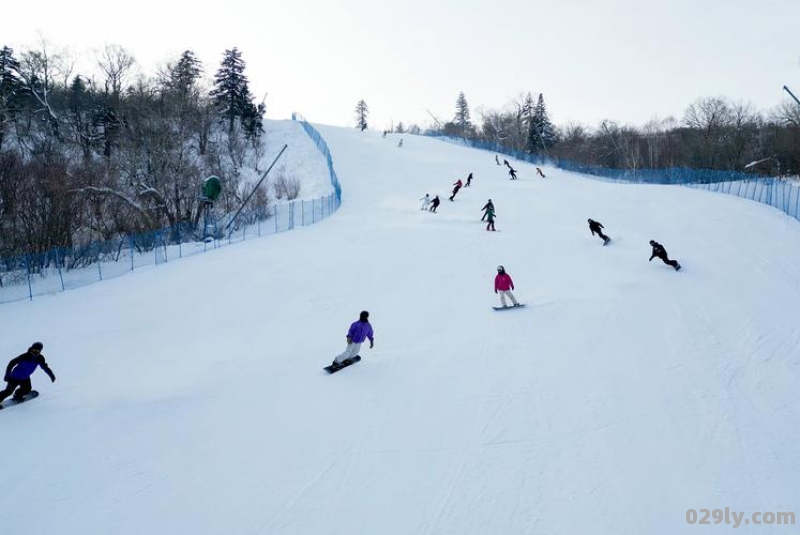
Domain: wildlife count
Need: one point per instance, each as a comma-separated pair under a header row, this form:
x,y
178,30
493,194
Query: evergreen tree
x,y
9,88
253,121
462,119
400,128
183,76
231,94
541,133
81,115
362,112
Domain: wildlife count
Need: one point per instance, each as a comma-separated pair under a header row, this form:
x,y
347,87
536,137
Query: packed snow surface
x,y
191,397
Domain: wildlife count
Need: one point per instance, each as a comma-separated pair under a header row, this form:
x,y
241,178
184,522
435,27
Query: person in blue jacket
x,y
359,331
19,371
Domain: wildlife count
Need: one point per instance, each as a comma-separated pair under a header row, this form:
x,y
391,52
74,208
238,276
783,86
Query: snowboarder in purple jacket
x,y
359,331
19,371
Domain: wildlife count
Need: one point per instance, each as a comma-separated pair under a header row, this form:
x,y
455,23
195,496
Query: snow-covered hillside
x,y
191,397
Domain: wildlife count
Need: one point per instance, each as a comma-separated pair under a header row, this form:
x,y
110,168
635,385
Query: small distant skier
x,y
400,143
496,160
596,228
490,218
435,204
505,162
512,172
503,285
359,331
469,181
457,187
19,371
539,172
486,207
660,252
384,133
426,201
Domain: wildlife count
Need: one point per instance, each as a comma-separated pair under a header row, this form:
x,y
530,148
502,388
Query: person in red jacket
x,y
457,187
503,285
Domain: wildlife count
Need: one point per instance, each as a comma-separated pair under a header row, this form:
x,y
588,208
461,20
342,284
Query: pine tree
x,y
9,88
400,128
462,119
185,74
231,94
541,133
81,115
362,112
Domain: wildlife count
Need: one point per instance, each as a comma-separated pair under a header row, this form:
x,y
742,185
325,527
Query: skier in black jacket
x,y
19,371
660,252
434,204
596,227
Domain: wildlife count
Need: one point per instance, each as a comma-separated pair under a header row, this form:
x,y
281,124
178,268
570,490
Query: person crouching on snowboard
x,y
596,227
359,331
503,285
660,252
19,371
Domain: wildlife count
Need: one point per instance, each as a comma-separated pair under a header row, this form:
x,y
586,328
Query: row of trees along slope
x,y
84,158
714,133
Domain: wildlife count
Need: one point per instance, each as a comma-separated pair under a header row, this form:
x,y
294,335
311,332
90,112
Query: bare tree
x,y
116,64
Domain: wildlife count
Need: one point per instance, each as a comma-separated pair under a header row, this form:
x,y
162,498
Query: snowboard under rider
x,y
596,228
19,371
660,252
359,331
503,285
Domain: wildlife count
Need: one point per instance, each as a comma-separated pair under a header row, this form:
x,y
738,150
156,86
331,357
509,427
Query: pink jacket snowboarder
x,y
503,285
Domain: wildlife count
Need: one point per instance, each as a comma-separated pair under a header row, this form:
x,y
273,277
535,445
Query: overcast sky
x,y
624,60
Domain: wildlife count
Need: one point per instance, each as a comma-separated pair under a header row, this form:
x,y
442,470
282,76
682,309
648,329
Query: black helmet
x,y
37,346
652,242
364,315
501,269
590,220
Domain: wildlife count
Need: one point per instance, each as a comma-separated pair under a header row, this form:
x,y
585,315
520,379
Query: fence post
x,y
133,264
99,265
28,267
796,203
60,276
